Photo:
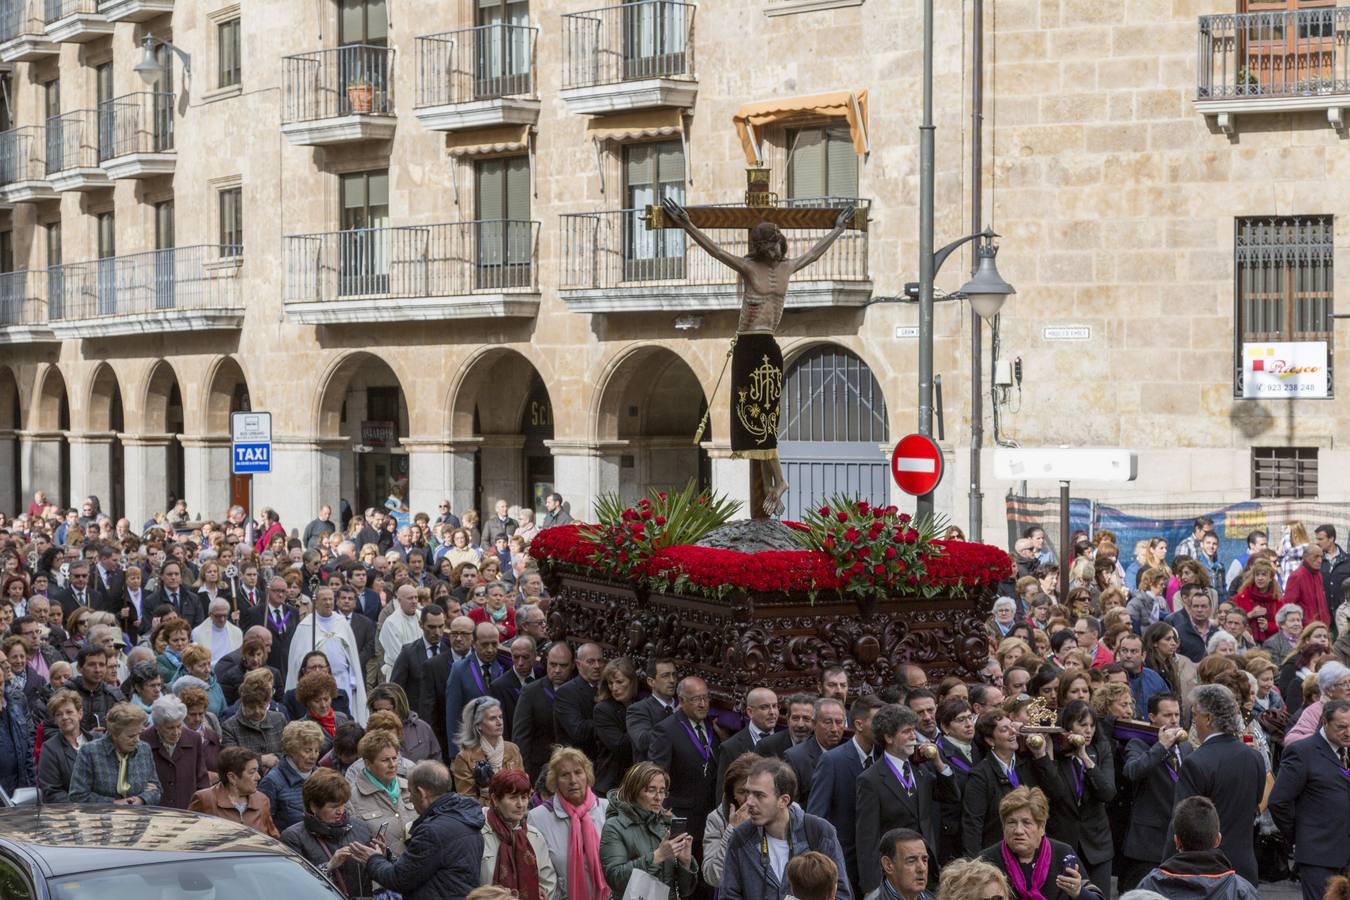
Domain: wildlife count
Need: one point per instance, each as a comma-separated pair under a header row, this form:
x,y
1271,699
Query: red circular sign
x,y
916,464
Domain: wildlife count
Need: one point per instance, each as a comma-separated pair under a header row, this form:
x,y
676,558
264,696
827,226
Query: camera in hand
x,y
482,774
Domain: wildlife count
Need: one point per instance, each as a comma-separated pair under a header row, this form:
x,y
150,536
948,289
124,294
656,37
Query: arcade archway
x,y
363,401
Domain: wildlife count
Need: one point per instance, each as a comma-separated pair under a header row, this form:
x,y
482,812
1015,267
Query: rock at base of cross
x,y
751,536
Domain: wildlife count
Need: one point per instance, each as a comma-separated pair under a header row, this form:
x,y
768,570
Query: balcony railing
x,y
23,154
157,281
446,260
135,123
54,10
481,63
344,81
22,17
1284,54
73,141
22,298
615,250
635,41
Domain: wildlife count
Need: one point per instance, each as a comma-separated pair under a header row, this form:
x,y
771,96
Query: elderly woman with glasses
x,y
1033,863
637,835
483,752
118,767
179,759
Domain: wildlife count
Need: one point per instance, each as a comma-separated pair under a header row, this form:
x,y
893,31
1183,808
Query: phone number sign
x,y
1286,370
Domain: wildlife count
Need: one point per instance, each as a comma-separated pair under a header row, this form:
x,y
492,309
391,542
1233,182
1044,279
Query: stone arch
x,y
161,387
359,388
48,457
226,392
103,406
11,420
49,400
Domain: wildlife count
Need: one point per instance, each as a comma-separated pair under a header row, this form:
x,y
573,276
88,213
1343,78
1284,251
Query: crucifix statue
x,y
756,360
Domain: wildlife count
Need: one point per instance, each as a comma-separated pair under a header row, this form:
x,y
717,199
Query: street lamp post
x,y
986,290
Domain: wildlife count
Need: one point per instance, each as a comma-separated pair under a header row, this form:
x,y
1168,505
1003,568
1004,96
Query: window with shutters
x,y
55,274
822,165
502,52
651,173
231,210
505,238
107,263
363,250
1283,267
1284,472
229,68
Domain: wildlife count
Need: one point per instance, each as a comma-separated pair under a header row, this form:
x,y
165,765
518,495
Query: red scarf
x,y
517,868
1040,871
327,722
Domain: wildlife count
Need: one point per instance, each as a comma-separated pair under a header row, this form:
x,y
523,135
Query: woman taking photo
x,y
637,835
617,691
482,751
380,796
300,744
325,835
57,760
571,821
1088,770
723,820
236,796
1032,862
118,767
515,855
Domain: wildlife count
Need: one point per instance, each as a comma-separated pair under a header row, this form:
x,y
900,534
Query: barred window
x,y
1284,283
1288,473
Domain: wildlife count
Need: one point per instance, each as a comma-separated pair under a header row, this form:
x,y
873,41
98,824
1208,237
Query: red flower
x,y
824,510
852,535
863,506
660,520
841,516
828,543
891,552
878,570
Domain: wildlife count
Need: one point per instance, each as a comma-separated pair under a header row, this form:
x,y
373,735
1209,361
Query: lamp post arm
x,y
940,256
182,55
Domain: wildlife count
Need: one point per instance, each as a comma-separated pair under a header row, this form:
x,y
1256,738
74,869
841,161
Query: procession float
x,y
767,603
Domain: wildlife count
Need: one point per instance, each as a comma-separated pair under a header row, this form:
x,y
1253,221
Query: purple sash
x,y
954,758
477,674
704,752
1079,778
906,783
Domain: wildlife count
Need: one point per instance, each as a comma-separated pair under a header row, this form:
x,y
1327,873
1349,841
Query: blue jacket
x,y
282,786
14,719
834,796
746,873
1145,685
460,688
444,854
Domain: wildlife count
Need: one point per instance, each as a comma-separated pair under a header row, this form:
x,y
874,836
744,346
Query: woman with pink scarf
x,y
1037,868
571,822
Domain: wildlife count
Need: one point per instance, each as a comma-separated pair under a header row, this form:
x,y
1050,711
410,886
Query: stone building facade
x,y
406,230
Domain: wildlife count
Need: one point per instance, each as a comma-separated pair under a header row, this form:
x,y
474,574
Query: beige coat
x,y
548,877
370,804
462,768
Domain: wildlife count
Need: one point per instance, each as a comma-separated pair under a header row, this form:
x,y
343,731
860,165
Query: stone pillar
x,y
438,470
206,475
582,471
91,469
729,476
146,462
40,465
502,471
10,503
305,474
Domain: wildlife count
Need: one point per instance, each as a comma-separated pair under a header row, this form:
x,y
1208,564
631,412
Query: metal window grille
x,y
1284,288
1288,473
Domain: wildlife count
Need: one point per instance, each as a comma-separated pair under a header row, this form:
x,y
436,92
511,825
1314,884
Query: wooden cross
x,y
761,205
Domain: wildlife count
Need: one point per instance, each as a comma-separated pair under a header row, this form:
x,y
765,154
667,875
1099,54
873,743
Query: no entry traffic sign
x,y
916,464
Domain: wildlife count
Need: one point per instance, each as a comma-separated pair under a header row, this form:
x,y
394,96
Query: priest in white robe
x,y
335,639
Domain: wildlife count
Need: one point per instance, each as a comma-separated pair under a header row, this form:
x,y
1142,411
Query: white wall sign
x,y
906,331
1067,333
1286,370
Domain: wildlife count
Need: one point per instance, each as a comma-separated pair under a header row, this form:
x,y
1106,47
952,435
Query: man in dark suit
x,y
77,591
106,577
574,713
469,679
368,602
508,687
532,728
956,741
801,717
1227,771
1153,769
993,778
438,670
829,731
761,706
362,629
178,595
834,784
410,669
1311,800
903,860
897,793
644,715
685,745
279,618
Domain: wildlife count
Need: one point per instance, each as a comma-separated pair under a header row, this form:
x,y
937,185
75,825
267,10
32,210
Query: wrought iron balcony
x,y
74,148
612,263
172,290
134,10
135,135
338,96
477,78
417,272
635,56
23,31
23,308
23,165
75,21
1279,61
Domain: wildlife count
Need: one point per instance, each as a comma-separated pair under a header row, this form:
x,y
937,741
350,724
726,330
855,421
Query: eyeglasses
x,y
461,633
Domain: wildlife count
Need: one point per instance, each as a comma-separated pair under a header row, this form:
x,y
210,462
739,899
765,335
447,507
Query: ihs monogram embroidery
x,y
757,405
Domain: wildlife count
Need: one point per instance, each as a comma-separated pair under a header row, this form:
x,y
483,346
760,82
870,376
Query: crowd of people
x,y
384,698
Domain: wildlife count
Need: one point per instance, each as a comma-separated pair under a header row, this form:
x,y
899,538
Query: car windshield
x,y
232,878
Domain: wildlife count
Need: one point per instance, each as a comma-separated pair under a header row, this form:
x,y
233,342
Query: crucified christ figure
x,y
756,360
